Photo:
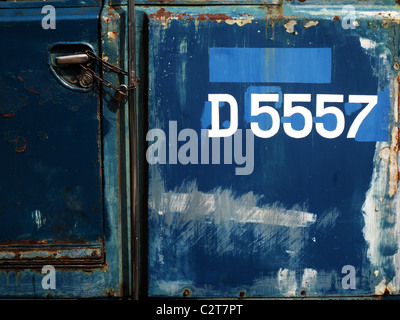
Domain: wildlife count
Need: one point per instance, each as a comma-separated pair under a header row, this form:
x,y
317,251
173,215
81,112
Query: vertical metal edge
x,y
133,151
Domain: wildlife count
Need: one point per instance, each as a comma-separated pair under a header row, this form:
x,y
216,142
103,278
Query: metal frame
x,y
133,151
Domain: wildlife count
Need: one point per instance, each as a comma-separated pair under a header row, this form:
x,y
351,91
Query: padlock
x,y
120,93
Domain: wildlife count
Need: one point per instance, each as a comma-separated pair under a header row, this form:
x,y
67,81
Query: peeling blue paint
x,y
60,190
210,230
311,206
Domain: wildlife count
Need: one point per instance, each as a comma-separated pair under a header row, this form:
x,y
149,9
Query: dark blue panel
x,y
298,208
51,181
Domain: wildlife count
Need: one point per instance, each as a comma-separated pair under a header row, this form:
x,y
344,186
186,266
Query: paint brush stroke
x,y
279,65
242,209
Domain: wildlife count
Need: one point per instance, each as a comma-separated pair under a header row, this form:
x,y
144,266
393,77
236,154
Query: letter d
x,y
215,131
49,280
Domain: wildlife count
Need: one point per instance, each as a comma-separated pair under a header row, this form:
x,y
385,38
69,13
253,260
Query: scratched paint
x,y
298,221
310,207
52,209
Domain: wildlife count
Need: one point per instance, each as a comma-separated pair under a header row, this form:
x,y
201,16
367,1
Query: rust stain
x,y
393,167
163,2
383,289
110,292
274,12
385,24
270,23
165,15
77,12
20,78
336,18
8,115
23,242
213,17
396,100
20,146
111,12
107,20
33,90
31,250
186,292
112,34
49,254
42,135
105,267
36,242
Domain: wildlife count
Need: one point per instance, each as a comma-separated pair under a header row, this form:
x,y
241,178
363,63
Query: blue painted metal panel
x,y
304,192
283,215
63,162
61,190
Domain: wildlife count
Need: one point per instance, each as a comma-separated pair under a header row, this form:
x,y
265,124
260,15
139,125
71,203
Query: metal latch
x,y
82,58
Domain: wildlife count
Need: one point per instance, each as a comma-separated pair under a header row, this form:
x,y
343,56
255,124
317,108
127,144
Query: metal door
x,y
271,147
59,184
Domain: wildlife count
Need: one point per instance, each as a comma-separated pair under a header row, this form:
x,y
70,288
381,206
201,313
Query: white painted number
x,y
322,111
372,101
256,110
289,110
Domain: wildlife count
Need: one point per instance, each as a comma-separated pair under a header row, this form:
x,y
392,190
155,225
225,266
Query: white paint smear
x,y
287,282
309,280
381,221
242,209
37,218
367,44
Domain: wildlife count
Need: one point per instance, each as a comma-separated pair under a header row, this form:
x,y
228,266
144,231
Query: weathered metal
x,y
313,202
133,120
61,192
137,198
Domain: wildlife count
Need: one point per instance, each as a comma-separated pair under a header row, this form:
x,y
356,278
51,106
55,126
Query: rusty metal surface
x,y
309,207
302,213
61,192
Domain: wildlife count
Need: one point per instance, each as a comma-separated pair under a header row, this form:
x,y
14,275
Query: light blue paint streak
x,y
280,65
375,126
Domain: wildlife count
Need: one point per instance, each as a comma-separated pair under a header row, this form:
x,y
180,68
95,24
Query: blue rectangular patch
x,y
268,65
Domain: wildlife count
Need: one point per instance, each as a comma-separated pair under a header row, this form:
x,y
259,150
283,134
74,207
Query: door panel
x,y
300,194
58,158
51,182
